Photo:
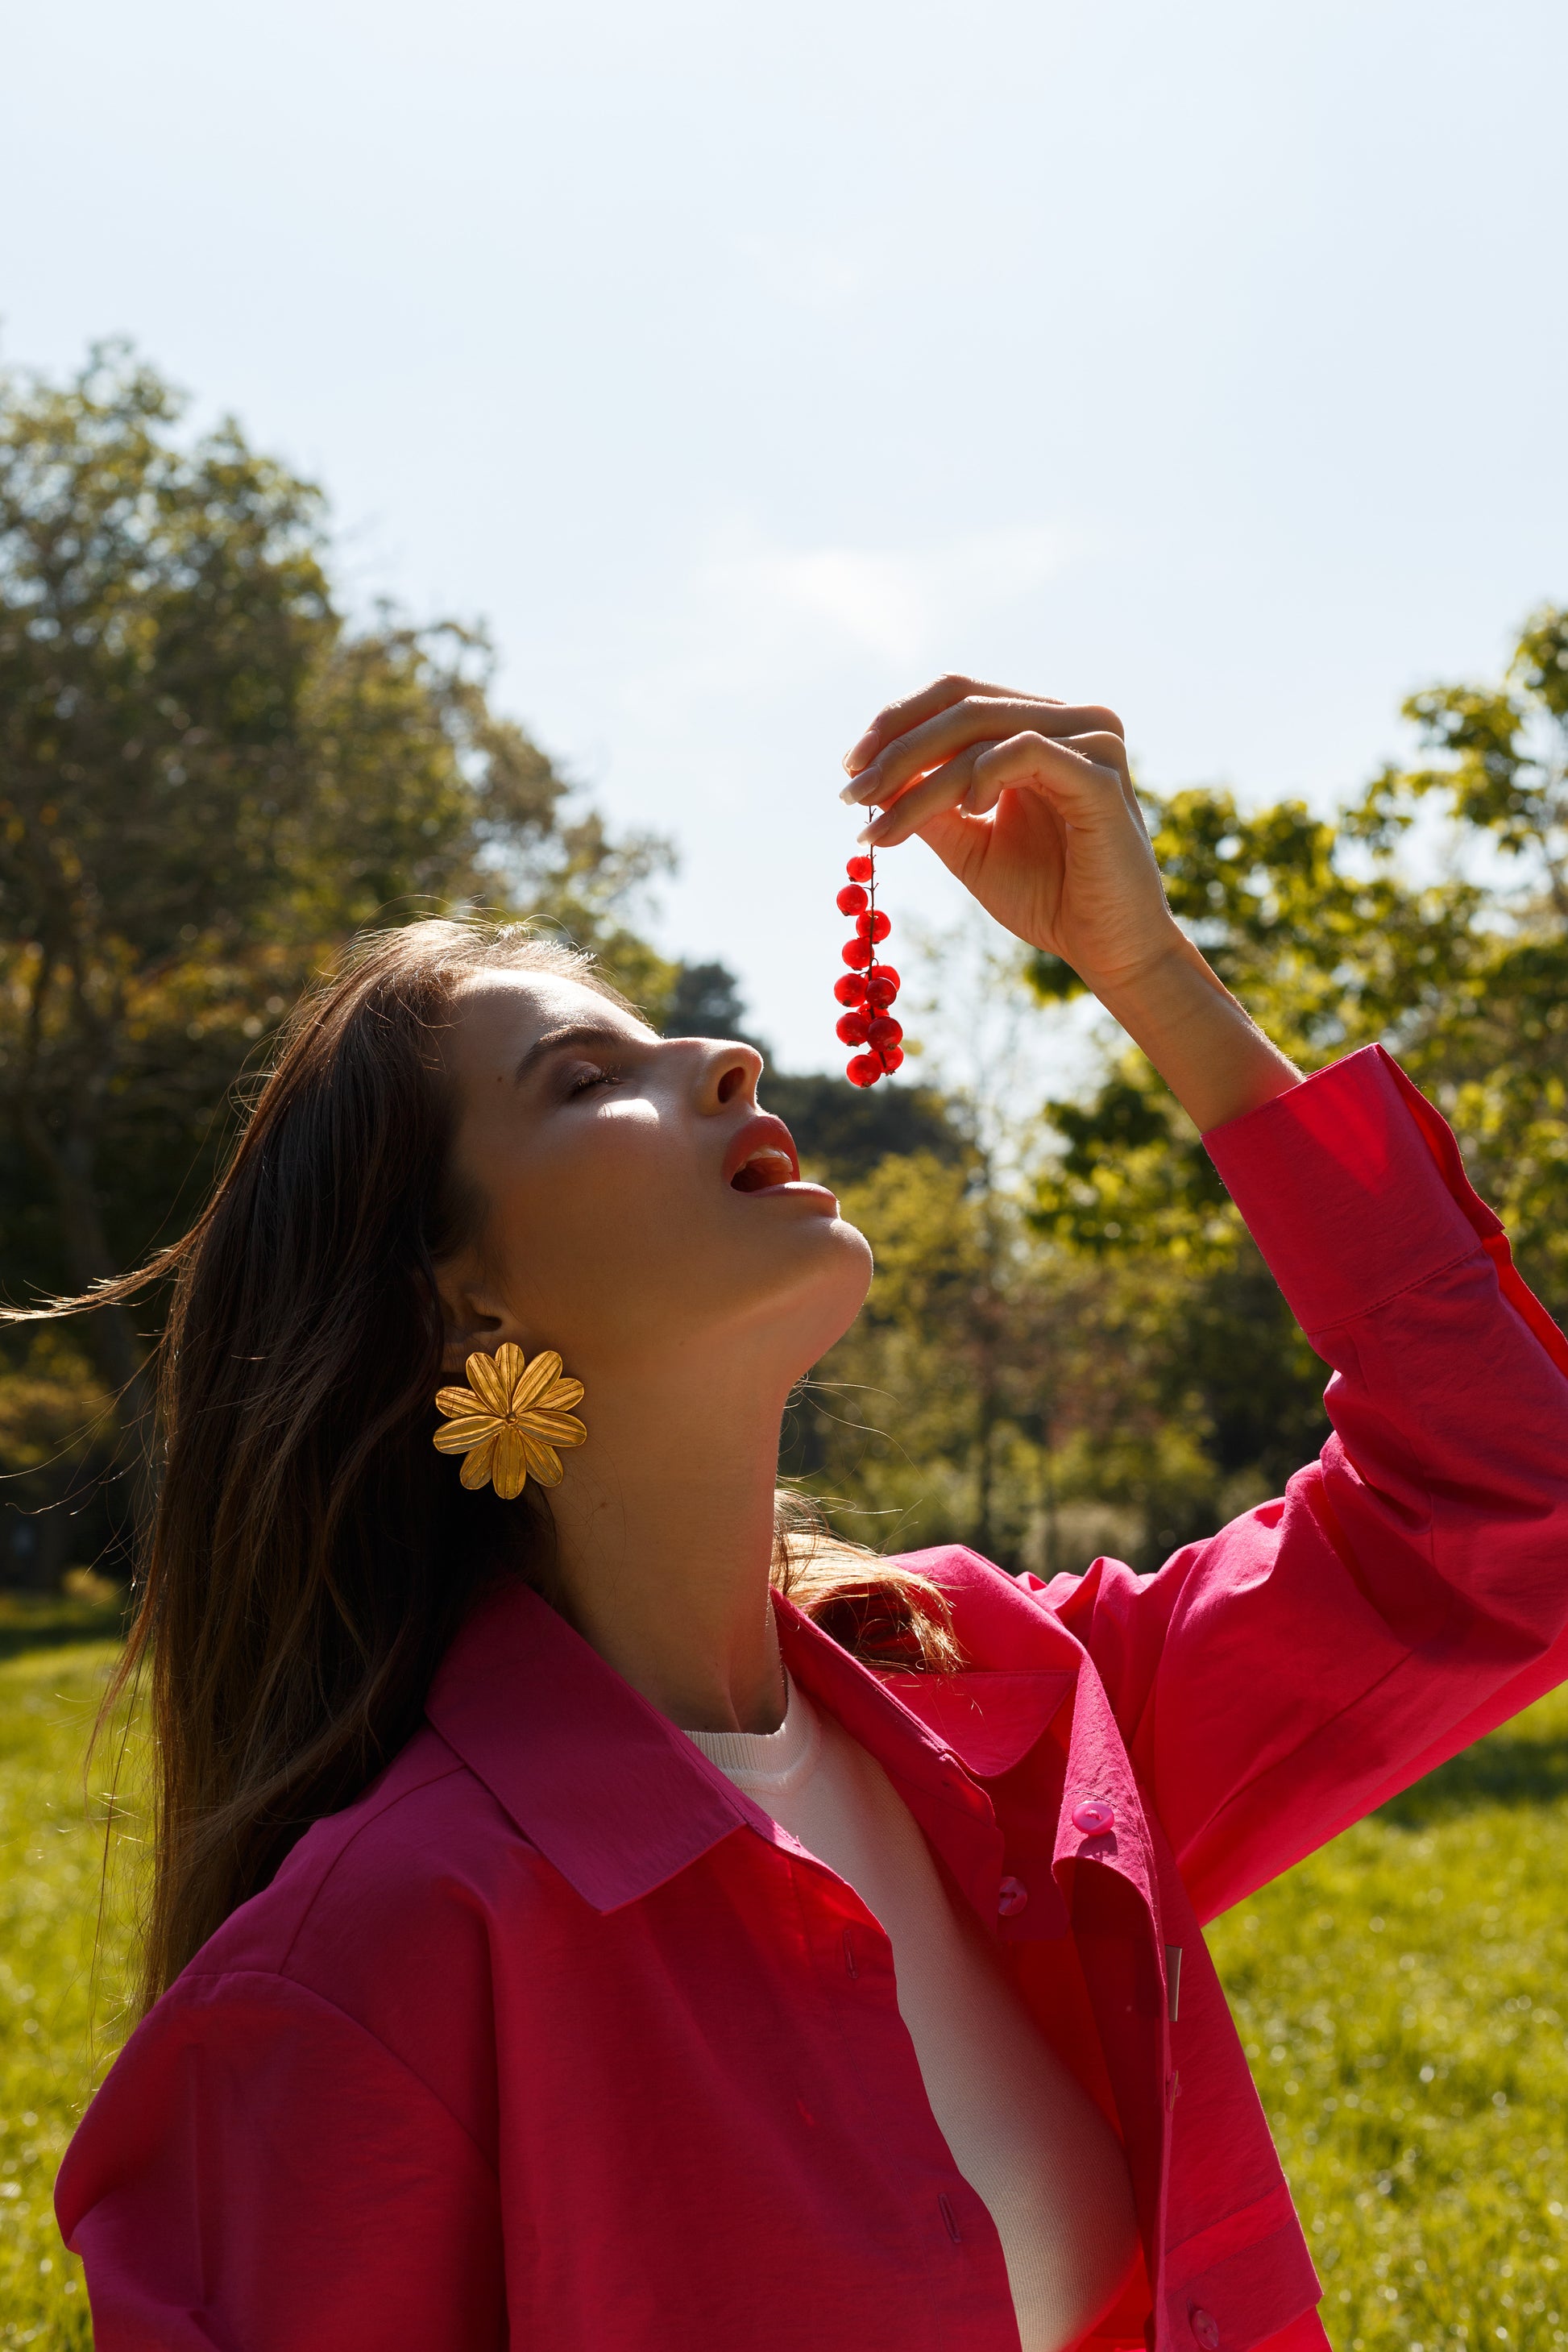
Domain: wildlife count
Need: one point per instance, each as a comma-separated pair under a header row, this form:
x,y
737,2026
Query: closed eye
x,y
554,1048
588,1076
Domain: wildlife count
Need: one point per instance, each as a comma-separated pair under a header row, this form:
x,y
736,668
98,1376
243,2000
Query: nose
x,y
728,1072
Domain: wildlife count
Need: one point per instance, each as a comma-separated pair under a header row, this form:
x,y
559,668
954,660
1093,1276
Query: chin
x,y
850,1239
829,1302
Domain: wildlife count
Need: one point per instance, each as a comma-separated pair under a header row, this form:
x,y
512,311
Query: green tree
x,y
912,1411
998,1389
208,779
1495,1051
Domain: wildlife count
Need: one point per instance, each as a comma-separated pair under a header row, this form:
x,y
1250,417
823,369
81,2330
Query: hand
x,y
1030,802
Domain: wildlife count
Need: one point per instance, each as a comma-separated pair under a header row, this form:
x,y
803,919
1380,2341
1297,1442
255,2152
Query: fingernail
x,y
866,833
849,796
856,757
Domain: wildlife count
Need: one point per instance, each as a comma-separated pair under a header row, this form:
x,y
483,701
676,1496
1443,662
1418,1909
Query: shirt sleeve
x,y
260,2174
1410,1591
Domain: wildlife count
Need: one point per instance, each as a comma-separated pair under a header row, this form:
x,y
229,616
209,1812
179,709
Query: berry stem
x,y
872,909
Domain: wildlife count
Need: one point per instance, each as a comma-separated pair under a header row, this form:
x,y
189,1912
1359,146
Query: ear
x,y
473,1315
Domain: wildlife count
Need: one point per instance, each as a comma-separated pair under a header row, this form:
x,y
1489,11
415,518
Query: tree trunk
x,y
115,1343
987,1404
1048,1503
116,1348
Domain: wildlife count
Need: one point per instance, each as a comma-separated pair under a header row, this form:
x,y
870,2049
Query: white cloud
x,y
757,609
818,276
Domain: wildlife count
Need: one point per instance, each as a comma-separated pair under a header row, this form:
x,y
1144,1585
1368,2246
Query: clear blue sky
x,y
746,365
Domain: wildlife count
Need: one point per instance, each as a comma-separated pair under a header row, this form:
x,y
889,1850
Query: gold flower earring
x,y
510,1420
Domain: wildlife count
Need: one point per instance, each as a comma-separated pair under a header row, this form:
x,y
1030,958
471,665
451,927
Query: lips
x,y
762,1155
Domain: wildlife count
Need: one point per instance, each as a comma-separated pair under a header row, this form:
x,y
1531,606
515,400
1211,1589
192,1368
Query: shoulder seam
x,y
309,1993
380,1814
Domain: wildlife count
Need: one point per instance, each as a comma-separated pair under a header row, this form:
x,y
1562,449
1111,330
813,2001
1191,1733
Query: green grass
x,y
1403,1997
37,1621
50,1860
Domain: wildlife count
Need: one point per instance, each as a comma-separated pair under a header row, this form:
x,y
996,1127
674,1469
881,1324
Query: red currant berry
x,y
851,898
882,986
882,1030
873,927
849,988
890,1056
859,869
856,953
855,1026
864,1070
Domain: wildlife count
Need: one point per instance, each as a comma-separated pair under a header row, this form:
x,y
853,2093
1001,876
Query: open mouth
x,y
760,1157
762,1171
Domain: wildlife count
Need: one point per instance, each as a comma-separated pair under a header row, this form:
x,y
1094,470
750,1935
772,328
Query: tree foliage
x,y
208,778
1332,940
211,774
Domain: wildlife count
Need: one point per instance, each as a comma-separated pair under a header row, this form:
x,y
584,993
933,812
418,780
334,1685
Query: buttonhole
x,y
849,1952
953,2232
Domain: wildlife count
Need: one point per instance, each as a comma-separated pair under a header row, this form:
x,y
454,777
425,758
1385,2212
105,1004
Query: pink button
x,y
1011,1895
1094,1817
1206,2327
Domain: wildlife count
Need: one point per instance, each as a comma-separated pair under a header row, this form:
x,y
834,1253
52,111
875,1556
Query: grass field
x,y
1402,1996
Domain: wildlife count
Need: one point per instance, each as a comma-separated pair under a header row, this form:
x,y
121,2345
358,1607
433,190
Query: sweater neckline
x,y
762,1760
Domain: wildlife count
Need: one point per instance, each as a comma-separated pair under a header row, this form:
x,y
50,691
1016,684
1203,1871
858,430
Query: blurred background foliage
x,y
212,773
210,777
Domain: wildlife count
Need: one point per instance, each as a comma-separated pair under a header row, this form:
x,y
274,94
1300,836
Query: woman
x,y
581,1921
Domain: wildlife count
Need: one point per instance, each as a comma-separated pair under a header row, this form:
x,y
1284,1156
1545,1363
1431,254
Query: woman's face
x,y
638,1211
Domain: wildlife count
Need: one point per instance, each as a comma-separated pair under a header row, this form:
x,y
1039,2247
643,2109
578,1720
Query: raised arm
x,y
1410,1591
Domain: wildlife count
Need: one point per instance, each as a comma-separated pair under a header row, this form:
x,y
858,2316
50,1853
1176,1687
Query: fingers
x,y
1085,780
977,717
897,717
917,805
1001,765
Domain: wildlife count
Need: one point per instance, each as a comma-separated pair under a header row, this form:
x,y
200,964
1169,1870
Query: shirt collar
x,y
594,1777
619,1800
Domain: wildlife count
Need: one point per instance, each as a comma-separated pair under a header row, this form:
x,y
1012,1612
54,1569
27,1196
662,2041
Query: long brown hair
x,y
310,1554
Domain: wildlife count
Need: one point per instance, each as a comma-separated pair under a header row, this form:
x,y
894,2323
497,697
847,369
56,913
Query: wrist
x,y
1168,959
1205,1043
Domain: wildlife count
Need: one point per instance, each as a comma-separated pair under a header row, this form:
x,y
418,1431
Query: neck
x,y
664,1530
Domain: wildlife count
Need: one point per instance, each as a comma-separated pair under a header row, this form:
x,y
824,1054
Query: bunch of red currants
x,y
868,989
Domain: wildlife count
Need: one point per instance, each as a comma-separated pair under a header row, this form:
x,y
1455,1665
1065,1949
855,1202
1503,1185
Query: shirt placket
x,y
953,2240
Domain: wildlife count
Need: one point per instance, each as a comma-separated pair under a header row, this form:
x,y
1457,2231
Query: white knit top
x,y
1029,2140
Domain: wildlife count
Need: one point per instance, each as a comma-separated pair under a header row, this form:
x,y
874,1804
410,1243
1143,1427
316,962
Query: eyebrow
x,y
572,1033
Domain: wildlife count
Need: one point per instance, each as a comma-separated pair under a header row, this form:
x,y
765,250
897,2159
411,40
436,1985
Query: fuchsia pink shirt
x,y
553,2038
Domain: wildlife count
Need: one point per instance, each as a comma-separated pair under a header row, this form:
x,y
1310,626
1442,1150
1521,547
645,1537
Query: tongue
x,y
761,1174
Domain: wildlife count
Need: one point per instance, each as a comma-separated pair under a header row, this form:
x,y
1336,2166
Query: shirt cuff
x,y
1352,1187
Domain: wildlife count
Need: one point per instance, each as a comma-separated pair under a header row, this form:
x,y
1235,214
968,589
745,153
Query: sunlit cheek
x,y
628,1150
609,1211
